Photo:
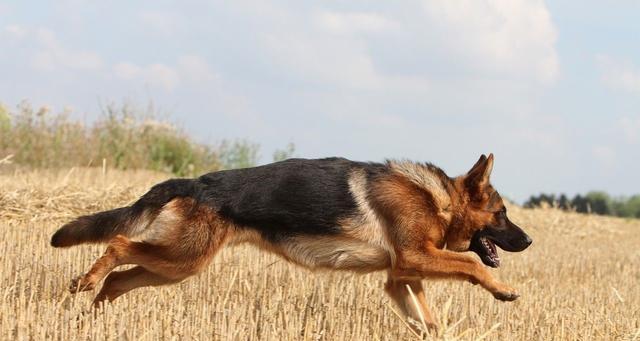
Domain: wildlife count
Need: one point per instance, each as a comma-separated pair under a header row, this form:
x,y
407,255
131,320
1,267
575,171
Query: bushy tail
x,y
97,227
128,221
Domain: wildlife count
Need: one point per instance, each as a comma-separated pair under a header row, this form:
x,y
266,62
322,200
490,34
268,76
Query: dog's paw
x,y
507,294
81,283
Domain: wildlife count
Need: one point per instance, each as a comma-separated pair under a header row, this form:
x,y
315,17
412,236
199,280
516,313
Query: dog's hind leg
x,y
183,240
109,261
121,282
416,308
155,259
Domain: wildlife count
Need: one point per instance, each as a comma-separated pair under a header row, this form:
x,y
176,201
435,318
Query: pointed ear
x,y
478,177
478,163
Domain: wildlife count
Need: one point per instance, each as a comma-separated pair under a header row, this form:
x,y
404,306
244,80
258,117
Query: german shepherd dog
x,y
408,218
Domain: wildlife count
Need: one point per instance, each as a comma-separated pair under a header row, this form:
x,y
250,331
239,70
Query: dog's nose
x,y
528,240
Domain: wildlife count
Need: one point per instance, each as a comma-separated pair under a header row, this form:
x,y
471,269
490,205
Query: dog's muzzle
x,y
509,238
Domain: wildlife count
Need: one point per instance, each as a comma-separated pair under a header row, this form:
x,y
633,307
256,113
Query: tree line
x,y
596,202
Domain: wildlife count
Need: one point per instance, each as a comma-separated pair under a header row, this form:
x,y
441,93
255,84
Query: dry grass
x,y
578,281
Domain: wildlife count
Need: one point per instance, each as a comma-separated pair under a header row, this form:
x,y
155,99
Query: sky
x,y
551,88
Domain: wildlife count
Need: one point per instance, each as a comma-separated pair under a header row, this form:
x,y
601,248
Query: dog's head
x,y
481,222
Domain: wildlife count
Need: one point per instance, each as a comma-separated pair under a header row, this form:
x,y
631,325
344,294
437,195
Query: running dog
x,y
407,218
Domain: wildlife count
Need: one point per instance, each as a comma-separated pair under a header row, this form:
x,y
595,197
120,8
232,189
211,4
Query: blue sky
x,y
551,88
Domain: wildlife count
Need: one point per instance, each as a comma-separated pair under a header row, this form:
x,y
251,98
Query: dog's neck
x,y
459,199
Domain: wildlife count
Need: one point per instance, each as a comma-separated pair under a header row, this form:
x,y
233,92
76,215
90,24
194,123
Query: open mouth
x,y
491,252
509,238
486,249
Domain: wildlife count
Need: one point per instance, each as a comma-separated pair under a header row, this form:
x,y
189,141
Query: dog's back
x,y
288,198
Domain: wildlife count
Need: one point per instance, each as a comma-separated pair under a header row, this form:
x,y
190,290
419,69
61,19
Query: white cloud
x,y
499,36
353,22
324,60
156,74
492,39
48,54
191,69
15,31
52,59
619,74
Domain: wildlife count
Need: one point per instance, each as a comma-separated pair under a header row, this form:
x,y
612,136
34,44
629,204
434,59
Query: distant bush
x,y
125,136
593,202
283,154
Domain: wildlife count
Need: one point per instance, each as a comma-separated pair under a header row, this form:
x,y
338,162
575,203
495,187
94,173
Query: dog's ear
x,y
477,179
478,163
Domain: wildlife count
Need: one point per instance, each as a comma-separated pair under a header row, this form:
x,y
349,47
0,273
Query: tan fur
x,y
120,282
323,252
141,223
369,226
159,230
338,253
191,236
426,179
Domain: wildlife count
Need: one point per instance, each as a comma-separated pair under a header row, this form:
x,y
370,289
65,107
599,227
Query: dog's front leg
x,y
436,263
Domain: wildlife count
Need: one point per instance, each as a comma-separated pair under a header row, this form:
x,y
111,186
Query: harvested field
x,y
580,280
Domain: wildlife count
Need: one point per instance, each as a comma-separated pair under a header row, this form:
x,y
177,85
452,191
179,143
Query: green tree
x,y
599,202
633,206
580,203
627,207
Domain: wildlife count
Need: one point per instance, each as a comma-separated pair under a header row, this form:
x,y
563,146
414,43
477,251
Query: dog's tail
x,y
128,221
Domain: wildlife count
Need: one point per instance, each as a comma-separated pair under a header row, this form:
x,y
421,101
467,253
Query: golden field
x,y
580,280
